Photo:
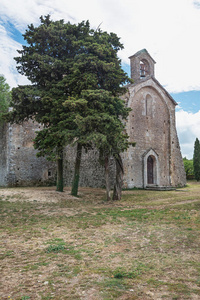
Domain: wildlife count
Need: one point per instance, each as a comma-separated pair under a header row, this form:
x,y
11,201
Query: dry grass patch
x,y
55,246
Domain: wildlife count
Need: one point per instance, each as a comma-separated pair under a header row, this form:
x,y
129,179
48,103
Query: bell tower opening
x,y
144,68
142,65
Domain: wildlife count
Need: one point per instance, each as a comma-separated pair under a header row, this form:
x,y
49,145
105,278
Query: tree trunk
x,y
119,178
74,190
107,178
59,183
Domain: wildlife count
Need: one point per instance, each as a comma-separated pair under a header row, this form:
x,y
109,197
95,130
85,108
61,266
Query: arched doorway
x,y
150,170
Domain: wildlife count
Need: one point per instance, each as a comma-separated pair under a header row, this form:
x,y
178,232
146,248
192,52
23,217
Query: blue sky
x,y
169,31
188,101
13,32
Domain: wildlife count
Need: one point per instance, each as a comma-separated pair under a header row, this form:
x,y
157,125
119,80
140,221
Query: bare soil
x,y
56,246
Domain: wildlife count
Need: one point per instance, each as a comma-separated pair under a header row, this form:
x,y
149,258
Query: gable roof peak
x,y
142,51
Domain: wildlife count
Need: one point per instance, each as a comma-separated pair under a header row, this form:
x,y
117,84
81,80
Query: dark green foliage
x,y
196,159
5,96
71,68
189,169
99,116
98,121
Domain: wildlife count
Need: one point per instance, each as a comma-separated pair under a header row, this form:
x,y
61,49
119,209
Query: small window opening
x,y
49,173
144,69
148,106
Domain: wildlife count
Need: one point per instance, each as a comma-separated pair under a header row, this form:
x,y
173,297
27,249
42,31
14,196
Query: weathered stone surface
x,y
3,154
152,126
92,173
21,166
154,161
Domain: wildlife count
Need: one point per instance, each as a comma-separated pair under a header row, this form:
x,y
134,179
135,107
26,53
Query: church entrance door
x,y
150,175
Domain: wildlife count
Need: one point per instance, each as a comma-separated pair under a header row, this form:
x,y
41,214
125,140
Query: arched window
x,y
148,105
144,68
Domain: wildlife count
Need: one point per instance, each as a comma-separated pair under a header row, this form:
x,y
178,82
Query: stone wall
x,y
3,154
178,175
20,166
23,167
150,130
151,125
91,173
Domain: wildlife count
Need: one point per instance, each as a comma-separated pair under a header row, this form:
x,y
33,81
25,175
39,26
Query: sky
x,y
168,29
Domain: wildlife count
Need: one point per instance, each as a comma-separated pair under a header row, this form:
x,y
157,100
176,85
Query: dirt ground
x,y
56,246
41,194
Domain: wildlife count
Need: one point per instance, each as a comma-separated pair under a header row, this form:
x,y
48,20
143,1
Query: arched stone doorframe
x,y
156,173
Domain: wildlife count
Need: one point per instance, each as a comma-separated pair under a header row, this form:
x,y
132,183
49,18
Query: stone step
x,y
160,188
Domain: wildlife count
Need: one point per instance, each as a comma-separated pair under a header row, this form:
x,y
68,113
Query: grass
x,y
145,246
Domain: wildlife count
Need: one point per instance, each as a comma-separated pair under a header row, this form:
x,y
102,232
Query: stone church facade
x,y
155,161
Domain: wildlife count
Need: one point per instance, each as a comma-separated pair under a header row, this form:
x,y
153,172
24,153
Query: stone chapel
x,y
155,161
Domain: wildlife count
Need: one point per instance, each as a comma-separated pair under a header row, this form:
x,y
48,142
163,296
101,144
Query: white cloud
x,y
167,29
7,64
188,128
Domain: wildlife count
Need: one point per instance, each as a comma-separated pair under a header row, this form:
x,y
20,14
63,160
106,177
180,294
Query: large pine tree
x,y
196,159
62,60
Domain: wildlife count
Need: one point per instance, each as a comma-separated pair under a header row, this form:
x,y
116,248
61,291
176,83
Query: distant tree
x,y
189,169
5,96
61,60
196,159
